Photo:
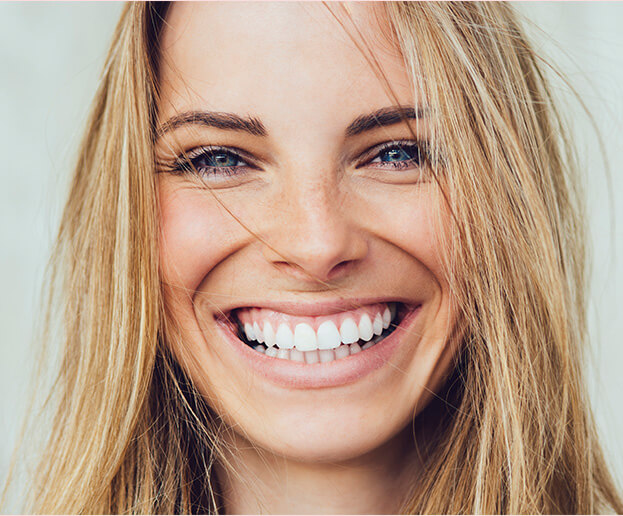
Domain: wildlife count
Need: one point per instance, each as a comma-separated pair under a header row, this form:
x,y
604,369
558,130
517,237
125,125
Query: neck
x,y
259,482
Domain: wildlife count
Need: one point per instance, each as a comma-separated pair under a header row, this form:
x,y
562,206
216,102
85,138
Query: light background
x,y
50,58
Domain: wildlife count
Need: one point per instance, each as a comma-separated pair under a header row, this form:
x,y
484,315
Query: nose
x,y
315,236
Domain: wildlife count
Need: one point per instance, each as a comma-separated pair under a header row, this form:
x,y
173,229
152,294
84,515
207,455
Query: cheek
x,y
196,233
416,222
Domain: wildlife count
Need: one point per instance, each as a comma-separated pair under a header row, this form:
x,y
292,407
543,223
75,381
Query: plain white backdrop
x,y
50,58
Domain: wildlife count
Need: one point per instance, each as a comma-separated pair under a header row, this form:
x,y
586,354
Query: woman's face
x,y
308,224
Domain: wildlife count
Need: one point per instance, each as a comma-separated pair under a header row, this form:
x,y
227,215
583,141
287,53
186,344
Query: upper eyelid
x,y
203,149
374,150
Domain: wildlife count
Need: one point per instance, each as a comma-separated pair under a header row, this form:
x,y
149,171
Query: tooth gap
x,y
251,344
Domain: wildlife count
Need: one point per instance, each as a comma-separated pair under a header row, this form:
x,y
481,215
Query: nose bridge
x,y
315,234
316,204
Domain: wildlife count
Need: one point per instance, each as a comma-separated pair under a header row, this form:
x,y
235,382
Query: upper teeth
x,y
308,334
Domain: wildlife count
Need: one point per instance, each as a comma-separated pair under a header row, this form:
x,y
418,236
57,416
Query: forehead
x,y
296,59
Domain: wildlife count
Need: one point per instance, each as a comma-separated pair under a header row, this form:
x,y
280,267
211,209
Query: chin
x,y
327,441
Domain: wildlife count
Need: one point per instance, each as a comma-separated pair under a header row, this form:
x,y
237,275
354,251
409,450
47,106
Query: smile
x,y
315,339
317,345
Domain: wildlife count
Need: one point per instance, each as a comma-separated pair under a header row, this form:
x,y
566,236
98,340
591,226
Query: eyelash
x,y
189,162
419,148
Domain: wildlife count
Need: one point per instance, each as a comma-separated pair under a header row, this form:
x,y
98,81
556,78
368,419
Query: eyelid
x,y
204,149
372,152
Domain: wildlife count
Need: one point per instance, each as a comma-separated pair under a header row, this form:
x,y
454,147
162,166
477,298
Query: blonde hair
x,y
130,434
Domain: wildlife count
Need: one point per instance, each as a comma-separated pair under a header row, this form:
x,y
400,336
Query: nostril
x,y
341,268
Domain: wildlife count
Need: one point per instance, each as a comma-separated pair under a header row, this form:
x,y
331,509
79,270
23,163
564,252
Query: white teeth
x,y
284,338
271,352
269,335
377,325
248,331
355,348
283,353
342,352
259,348
326,355
349,331
365,327
311,357
387,318
368,345
258,332
305,338
328,335
297,356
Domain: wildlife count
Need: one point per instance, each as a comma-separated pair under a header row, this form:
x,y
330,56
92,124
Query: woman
x,y
322,259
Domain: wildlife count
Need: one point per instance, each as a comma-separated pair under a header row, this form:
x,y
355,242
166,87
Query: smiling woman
x,y
322,258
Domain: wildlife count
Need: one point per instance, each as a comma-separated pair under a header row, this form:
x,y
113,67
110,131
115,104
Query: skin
x,y
312,222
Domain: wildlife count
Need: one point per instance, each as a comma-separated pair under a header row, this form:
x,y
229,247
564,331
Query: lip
x,y
320,308
297,375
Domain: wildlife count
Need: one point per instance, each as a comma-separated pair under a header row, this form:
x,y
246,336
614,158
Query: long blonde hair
x,y
130,433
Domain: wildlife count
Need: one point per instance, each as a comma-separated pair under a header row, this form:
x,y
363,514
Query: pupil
x,y
396,155
222,160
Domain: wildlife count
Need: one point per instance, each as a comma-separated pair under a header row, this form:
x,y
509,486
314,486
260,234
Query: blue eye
x,y
393,155
219,159
212,161
399,155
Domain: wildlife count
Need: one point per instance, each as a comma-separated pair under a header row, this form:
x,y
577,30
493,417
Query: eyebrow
x,y
233,122
383,117
220,120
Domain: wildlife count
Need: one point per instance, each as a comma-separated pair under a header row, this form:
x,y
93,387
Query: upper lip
x,y
319,308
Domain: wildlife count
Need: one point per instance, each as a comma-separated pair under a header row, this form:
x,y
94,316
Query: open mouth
x,y
316,339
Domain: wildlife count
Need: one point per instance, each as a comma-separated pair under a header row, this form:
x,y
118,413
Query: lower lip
x,y
297,375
